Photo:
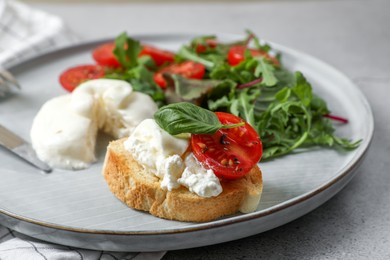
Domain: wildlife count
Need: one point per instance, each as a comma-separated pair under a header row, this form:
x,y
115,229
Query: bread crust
x,y
131,183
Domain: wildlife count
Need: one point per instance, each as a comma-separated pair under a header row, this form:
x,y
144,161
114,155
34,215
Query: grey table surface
x,y
353,36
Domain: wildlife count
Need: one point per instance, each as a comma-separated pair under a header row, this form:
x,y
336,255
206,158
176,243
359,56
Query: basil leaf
x,y
185,117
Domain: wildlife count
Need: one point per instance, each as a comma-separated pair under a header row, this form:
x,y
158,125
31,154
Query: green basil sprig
x,y
186,117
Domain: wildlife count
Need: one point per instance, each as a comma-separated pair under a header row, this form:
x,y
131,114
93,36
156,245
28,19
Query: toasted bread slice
x,y
131,183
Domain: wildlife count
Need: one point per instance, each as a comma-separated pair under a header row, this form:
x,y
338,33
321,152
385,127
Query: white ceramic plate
x,y
76,208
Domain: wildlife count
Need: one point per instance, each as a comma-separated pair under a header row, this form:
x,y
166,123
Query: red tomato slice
x,y
236,55
230,153
158,55
74,76
104,55
188,69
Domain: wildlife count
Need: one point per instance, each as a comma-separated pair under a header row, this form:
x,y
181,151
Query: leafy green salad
x,y
246,78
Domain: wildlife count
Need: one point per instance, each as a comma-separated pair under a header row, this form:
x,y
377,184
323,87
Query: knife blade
x,y
22,148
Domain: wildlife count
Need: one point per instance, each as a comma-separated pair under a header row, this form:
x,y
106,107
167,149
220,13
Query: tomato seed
x,y
238,169
202,145
224,161
253,143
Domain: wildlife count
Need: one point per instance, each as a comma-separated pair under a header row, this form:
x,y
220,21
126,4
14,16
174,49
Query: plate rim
x,y
345,171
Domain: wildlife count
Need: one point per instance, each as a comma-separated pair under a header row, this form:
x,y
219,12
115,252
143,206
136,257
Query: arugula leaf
x,y
293,119
267,71
302,89
285,77
243,106
187,54
219,104
150,89
202,41
141,79
256,41
127,50
323,134
136,70
286,123
183,117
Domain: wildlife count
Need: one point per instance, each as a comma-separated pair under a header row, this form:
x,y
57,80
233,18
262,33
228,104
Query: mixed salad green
x,y
246,78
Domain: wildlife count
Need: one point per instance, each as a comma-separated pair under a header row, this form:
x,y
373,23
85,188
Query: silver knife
x,y
21,148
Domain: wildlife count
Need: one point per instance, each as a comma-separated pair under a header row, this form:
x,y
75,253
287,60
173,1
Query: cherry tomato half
x,y
158,55
188,69
236,55
230,153
104,55
74,76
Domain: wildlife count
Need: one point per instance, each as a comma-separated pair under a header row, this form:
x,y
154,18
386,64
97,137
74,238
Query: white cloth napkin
x,y
26,32
15,246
